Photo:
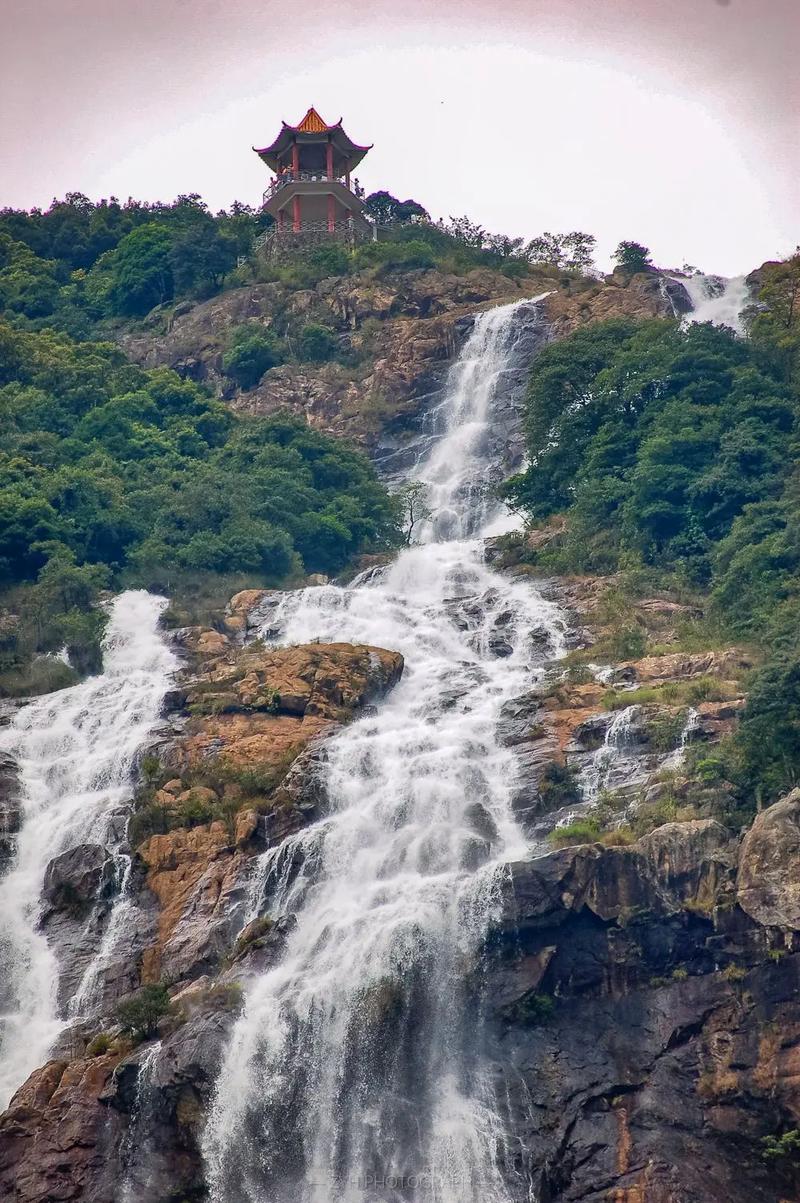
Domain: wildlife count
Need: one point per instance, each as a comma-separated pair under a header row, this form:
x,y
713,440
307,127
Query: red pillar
x,y
330,160
347,176
331,213
296,214
295,160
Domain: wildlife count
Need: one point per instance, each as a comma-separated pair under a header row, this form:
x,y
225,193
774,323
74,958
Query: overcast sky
x,y
674,122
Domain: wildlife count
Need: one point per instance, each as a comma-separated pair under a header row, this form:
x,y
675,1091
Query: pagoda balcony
x,y
309,177
276,242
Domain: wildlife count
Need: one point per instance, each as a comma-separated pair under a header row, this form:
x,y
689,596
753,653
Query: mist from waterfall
x,y
75,750
716,299
356,1072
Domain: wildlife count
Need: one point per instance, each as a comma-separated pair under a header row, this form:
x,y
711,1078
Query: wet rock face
x,y
78,891
10,815
407,437
89,1129
78,878
644,1040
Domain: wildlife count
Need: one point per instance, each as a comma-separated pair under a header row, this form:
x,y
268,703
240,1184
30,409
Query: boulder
x,y
196,875
77,878
768,883
678,866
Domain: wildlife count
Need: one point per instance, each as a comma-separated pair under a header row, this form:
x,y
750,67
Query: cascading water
x,y
458,468
690,726
355,1072
75,751
716,299
611,762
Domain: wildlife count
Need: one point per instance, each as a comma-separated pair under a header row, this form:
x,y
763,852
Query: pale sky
x,y
673,122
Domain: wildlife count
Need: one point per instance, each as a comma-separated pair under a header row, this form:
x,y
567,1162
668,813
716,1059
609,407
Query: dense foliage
x,y
110,473
79,263
676,450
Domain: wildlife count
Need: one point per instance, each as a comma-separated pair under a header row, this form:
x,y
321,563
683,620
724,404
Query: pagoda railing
x,y
309,177
276,242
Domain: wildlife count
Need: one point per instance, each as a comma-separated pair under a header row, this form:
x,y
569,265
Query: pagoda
x,y
312,196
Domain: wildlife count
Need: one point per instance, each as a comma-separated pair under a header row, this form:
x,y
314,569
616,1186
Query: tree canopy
x,y
675,450
111,474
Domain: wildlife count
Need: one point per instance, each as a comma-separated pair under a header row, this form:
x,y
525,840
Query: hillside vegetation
x,y
673,454
112,475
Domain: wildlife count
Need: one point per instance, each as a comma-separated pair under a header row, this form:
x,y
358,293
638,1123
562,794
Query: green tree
x,y
414,507
252,354
316,343
387,210
568,252
141,273
141,1013
633,257
201,258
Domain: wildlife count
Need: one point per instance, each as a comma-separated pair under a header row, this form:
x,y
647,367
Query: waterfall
x,y
134,1146
690,726
355,1072
609,761
75,751
717,300
455,469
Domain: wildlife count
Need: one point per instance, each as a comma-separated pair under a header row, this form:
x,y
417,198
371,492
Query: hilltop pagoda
x,y
312,196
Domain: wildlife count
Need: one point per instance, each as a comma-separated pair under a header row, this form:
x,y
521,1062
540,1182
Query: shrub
x,y
532,1009
397,255
619,837
664,731
150,819
316,343
558,786
141,1013
782,1148
330,259
582,831
98,1045
252,356
709,770
629,642
734,973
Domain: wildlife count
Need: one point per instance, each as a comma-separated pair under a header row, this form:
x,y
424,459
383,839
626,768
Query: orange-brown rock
x,y
52,1135
769,866
273,704
328,681
417,314
239,608
192,873
638,296
683,666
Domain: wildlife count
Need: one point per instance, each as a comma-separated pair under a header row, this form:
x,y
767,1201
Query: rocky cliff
x,y
396,334
638,983
640,995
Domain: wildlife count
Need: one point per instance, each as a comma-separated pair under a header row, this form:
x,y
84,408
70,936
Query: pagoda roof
x,y
309,130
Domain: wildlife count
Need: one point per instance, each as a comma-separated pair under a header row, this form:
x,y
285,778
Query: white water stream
x,y
75,751
611,762
716,299
355,1072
